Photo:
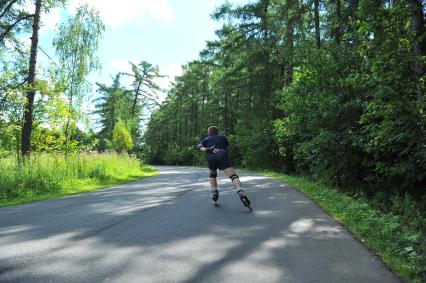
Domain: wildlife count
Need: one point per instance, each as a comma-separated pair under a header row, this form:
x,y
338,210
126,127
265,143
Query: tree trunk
x,y
265,101
67,136
28,112
337,32
195,117
185,131
135,100
317,25
226,118
418,26
290,47
265,19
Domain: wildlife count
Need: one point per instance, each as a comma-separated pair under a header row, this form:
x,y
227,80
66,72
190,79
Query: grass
x,y
401,248
46,176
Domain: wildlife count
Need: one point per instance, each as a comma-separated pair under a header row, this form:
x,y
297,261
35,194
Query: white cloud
x,y
123,65
50,20
170,72
117,14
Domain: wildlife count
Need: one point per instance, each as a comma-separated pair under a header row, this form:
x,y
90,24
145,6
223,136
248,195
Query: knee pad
x,y
213,174
233,177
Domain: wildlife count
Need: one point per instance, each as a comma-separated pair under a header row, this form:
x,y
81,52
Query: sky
x,y
167,33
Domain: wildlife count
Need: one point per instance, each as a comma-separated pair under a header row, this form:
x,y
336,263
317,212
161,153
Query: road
x,y
164,229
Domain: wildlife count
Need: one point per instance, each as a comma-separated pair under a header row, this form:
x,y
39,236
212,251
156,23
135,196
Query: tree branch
x,y
9,28
8,6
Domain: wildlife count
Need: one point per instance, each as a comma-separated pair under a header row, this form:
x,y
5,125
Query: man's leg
x,y
213,184
213,181
230,172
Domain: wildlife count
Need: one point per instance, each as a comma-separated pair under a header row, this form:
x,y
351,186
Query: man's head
x,y
213,131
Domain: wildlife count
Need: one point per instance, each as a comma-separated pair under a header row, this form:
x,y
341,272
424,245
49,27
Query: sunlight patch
x,y
301,226
252,178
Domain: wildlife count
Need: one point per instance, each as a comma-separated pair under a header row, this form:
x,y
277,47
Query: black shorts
x,y
219,160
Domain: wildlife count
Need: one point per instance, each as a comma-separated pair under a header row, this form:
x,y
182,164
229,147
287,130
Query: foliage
x,y
44,95
76,45
118,103
121,138
144,88
51,175
349,109
15,19
333,90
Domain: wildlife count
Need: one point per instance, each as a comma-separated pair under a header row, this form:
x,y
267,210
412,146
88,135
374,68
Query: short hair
x,y
213,131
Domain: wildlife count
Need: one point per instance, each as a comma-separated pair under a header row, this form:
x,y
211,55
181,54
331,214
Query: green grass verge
x,y
51,176
82,186
401,248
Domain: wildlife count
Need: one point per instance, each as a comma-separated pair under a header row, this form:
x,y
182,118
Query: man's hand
x,y
210,149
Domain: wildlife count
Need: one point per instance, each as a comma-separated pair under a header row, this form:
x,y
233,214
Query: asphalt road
x,y
164,229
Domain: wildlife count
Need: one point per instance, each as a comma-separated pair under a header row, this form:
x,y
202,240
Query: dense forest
x,y
334,90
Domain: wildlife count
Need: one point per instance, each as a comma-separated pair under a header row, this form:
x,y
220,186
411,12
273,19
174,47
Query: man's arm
x,y
200,147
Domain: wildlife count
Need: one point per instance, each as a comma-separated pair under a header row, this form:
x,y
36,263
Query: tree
x,y
13,20
28,112
29,105
117,103
418,26
317,24
144,86
121,137
110,107
321,88
76,45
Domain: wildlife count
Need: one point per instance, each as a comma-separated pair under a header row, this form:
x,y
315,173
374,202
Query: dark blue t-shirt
x,y
218,141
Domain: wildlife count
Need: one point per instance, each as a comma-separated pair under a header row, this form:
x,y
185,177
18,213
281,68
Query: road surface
x,y
164,229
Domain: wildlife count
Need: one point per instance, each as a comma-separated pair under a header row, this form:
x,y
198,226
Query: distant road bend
x,y
164,229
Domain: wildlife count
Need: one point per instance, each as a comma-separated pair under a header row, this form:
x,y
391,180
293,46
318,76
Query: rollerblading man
x,y
216,148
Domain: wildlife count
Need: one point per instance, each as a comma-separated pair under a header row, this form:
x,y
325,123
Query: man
x,y
216,148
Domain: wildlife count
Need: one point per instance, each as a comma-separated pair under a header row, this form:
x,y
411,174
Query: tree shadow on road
x,y
163,229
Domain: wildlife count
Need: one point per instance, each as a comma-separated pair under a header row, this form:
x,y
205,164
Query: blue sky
x,y
167,33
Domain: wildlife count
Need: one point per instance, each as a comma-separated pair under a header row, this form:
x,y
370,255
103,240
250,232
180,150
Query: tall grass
x,y
48,175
